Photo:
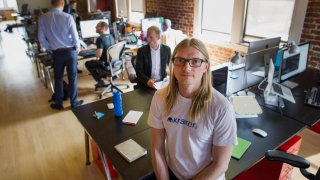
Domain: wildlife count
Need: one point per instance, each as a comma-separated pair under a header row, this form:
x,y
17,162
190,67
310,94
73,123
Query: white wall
x,y
35,4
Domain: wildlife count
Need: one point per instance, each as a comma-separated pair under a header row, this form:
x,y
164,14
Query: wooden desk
x,y
299,111
110,131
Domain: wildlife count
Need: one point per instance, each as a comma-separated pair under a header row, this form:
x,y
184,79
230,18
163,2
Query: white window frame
x,y
6,6
130,12
236,41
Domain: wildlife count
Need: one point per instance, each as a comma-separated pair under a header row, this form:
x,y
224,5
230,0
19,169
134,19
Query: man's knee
x,y
90,64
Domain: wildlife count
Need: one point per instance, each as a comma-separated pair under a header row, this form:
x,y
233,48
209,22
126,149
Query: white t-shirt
x,y
190,144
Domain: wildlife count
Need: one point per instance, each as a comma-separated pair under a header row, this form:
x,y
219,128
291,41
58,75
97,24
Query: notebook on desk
x,y
130,150
240,148
132,117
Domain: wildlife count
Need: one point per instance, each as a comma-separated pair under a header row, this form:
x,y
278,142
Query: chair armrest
x,y
129,54
116,63
280,156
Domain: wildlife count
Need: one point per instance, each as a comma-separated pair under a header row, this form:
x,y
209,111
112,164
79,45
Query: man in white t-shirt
x,y
194,121
171,37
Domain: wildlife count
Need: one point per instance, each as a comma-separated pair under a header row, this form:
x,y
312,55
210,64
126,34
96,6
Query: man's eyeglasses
x,y
194,62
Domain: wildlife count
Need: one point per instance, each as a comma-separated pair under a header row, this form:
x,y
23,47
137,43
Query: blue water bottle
x,y
117,102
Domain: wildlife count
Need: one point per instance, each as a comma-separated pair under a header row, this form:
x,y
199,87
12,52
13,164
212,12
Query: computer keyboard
x,y
277,88
313,97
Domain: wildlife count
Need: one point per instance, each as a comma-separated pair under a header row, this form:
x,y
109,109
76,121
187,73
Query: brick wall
x,y
181,14
311,32
219,54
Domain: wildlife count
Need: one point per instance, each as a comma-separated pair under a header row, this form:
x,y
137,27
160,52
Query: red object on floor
x,y
266,170
316,128
97,159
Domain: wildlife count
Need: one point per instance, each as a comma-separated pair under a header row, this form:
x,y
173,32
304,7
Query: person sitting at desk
x,y
152,60
71,7
195,121
103,42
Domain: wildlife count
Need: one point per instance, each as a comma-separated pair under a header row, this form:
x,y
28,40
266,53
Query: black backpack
x,y
65,93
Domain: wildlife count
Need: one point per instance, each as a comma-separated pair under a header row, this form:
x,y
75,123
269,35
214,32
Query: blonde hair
x,y
204,94
155,29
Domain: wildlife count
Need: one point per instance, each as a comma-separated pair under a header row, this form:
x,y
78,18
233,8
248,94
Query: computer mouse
x,y
259,132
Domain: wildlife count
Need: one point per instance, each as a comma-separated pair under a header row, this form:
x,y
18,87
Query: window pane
x,y
122,8
1,4
12,4
217,15
137,5
136,17
269,18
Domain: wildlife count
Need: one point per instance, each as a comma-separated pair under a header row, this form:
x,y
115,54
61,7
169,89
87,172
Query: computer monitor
x,y
258,58
101,15
219,78
88,28
146,23
295,63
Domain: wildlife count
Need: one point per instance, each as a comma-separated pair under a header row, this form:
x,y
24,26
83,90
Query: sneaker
x,y
56,106
100,84
77,104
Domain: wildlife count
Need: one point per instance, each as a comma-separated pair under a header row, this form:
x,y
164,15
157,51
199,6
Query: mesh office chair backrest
x,y
115,58
115,51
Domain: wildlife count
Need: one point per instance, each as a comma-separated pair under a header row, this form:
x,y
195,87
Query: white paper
x,y
161,84
132,117
246,105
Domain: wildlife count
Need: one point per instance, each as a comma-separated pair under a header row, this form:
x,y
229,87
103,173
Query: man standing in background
x,y
58,34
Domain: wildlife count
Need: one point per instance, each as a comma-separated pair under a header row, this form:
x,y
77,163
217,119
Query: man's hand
x,y
151,84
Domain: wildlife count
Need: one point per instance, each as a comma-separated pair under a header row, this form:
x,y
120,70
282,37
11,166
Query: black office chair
x,y
113,67
293,160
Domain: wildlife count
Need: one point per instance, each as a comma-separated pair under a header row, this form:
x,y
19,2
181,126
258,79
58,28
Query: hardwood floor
x,y
39,143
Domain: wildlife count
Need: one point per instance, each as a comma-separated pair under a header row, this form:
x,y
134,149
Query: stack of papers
x,y
246,106
130,150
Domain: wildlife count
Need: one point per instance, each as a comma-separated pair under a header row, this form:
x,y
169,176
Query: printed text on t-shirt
x,y
182,122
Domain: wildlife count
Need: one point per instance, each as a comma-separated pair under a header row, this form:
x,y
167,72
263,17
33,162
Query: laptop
x,y
277,88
